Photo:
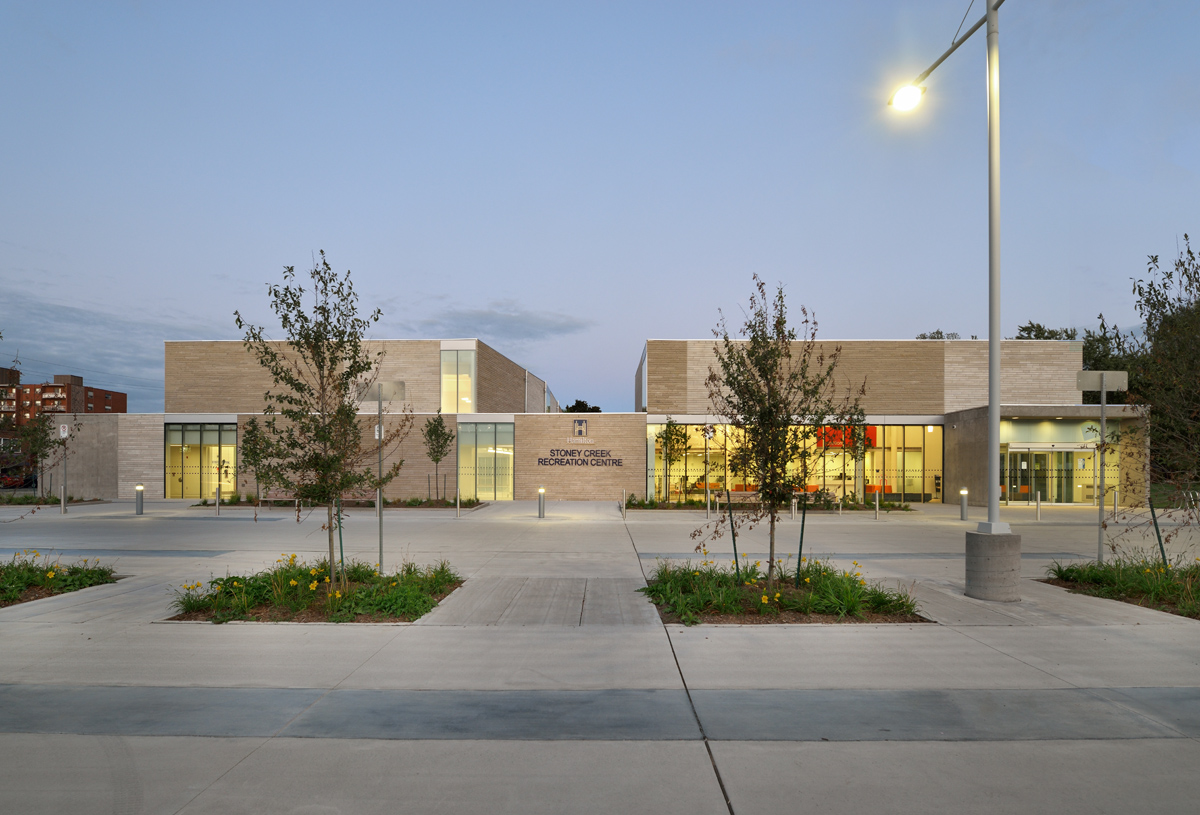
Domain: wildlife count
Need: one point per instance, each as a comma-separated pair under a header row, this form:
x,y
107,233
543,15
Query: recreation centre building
x,y
925,406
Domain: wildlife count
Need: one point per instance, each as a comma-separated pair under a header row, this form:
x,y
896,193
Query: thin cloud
x,y
107,350
502,321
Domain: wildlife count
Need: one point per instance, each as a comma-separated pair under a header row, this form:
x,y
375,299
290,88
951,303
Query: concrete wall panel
x,y
611,438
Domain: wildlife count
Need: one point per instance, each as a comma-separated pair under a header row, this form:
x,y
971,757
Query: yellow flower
x,y
337,594
695,574
294,583
49,574
393,582
312,572
744,554
326,578
776,595
806,580
764,598
803,559
312,586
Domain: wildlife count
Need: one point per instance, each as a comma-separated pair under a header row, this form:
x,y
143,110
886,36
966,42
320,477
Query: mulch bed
x,y
794,618
30,594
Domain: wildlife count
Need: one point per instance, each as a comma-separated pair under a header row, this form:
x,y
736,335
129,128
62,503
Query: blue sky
x,y
566,180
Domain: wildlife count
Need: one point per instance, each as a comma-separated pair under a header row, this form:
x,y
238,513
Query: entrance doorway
x,y
1058,476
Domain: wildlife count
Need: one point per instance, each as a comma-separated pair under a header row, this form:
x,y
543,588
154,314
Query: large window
x,y
458,382
1056,461
901,462
199,457
485,460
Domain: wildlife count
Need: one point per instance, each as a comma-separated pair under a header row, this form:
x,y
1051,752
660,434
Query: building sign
x,y
560,457
579,428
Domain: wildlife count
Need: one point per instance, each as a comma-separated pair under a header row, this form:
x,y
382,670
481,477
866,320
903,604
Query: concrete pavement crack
x,y
691,703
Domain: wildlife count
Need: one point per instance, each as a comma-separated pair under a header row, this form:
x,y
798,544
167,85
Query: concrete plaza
x,y
548,684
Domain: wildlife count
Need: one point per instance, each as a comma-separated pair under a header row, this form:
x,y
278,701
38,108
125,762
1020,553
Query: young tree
x,y
311,441
1168,376
938,334
1037,331
672,441
781,392
438,439
581,406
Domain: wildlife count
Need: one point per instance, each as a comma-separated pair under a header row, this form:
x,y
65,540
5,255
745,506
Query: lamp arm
x,y
954,47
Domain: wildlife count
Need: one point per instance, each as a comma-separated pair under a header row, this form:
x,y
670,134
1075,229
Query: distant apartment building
x,y
65,395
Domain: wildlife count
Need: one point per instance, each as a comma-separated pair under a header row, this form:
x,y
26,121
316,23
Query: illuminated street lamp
x,y
907,98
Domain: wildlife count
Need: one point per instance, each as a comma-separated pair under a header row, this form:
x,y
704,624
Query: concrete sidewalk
x,y
547,683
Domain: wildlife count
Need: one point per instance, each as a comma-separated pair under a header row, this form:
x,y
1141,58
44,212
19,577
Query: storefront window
x,y
485,461
198,457
903,463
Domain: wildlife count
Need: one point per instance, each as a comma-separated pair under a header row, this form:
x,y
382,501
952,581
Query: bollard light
x,y
139,490
541,502
963,499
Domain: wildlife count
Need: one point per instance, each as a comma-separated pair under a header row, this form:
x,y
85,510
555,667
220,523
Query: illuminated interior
x,y
198,458
485,460
458,382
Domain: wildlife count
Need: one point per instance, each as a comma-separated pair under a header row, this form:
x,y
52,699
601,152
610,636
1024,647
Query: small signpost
x,y
64,432
1103,381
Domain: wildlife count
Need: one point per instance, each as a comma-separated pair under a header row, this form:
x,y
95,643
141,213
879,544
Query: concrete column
x,y
994,567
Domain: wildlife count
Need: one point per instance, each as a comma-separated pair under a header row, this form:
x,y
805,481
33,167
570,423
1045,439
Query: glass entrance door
x,y
1059,476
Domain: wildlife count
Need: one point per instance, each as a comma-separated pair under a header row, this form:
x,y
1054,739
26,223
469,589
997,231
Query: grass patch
x,y
690,594
26,499
1137,579
293,590
30,575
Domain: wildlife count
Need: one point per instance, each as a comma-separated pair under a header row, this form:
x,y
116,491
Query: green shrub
x,y
691,590
292,586
1137,578
29,568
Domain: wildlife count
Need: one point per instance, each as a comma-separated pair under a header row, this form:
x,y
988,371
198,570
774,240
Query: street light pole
x,y
993,525
993,562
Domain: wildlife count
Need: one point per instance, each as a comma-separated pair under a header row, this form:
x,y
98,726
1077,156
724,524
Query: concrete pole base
x,y
994,567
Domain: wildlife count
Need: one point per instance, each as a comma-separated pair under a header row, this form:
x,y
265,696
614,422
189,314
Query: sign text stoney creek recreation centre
x,y
580,458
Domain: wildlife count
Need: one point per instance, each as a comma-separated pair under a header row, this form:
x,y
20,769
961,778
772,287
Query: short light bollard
x,y
138,492
963,503
541,502
457,511
793,509
218,500
1038,512
877,505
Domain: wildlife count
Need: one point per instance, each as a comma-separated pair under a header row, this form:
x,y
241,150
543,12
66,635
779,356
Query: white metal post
x,y
379,445
993,524
1100,471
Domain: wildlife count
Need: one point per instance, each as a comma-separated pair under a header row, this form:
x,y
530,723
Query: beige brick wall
x,y
223,377
535,395
1032,372
622,435
140,454
667,376
501,382
914,377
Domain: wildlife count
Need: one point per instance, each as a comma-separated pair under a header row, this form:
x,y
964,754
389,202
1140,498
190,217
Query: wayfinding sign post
x,y
1103,381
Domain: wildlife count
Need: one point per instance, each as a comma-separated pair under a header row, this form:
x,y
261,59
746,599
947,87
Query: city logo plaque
x,y
580,428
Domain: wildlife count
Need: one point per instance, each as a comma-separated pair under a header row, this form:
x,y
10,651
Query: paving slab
x,y
511,658
926,715
465,777
988,778
848,655
617,601
1103,656
112,775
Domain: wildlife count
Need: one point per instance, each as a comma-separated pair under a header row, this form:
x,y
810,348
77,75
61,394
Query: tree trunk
x,y
329,523
771,562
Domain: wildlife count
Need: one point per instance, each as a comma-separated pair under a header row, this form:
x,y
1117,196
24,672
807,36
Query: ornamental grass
x,y
1140,579
708,592
295,590
30,575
